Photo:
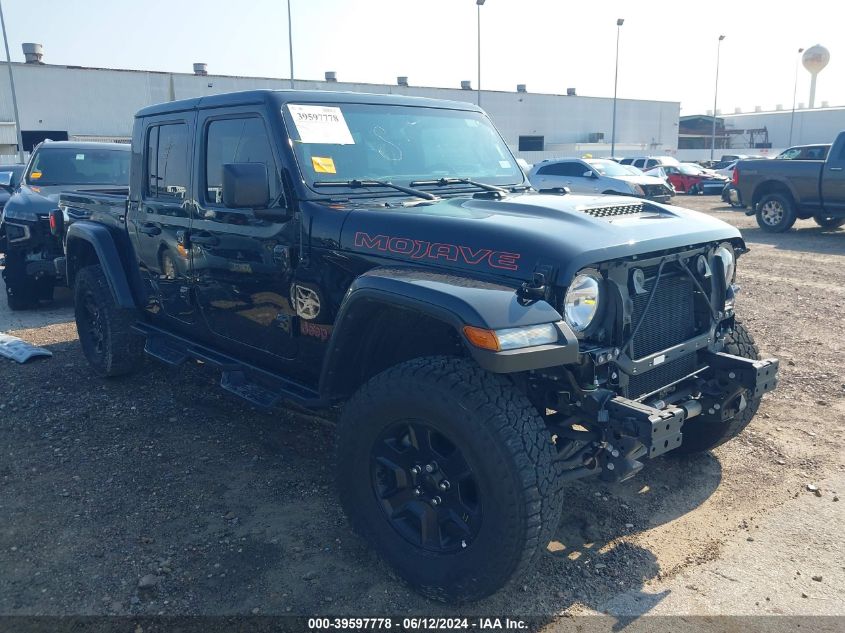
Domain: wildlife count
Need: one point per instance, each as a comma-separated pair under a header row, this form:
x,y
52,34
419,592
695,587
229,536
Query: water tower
x,y
815,59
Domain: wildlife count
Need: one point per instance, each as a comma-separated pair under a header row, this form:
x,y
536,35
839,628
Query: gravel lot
x,y
161,494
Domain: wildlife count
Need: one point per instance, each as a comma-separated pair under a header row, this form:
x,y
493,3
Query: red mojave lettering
x,y
418,249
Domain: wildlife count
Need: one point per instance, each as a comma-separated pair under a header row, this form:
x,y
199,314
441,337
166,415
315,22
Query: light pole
x,y
12,84
478,5
290,45
619,24
715,99
794,93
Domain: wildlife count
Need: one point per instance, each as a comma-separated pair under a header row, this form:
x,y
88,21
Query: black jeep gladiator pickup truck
x,y
780,192
485,343
34,257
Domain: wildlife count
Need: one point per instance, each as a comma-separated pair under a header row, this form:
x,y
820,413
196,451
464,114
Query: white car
x,y
598,176
728,170
647,162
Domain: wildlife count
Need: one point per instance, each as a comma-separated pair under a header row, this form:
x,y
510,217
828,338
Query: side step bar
x,y
258,386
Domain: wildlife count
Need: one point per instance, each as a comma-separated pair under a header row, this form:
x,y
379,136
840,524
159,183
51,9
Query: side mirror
x,y
245,185
6,179
590,174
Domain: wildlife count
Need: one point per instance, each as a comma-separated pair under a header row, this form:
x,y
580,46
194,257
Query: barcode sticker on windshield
x,y
320,124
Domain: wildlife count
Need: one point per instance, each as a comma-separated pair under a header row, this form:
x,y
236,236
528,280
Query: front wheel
x,y
21,291
446,470
105,329
828,222
775,213
700,434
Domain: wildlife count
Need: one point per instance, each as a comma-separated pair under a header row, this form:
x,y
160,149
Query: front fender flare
x,y
456,301
103,242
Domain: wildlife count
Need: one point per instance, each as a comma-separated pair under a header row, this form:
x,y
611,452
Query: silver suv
x,y
598,176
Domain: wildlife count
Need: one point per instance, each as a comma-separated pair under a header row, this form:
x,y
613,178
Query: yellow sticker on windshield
x,y
35,175
323,165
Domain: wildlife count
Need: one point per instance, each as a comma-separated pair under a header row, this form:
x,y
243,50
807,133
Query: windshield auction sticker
x,y
320,124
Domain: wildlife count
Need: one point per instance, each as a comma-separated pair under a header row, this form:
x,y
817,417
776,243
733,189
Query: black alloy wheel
x,y
425,487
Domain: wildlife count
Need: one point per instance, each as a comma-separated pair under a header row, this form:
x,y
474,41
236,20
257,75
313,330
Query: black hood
x,y
511,237
31,201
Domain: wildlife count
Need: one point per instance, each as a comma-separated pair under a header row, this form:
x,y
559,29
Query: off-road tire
x,y
776,213
701,435
21,292
829,223
506,445
105,329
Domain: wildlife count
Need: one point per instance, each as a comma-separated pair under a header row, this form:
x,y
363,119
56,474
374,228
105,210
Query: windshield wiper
x,y
363,184
442,182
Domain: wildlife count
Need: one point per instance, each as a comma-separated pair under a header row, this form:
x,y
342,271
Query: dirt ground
x,y
165,480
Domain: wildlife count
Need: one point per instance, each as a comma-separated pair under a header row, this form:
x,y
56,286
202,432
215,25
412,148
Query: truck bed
x,y
103,205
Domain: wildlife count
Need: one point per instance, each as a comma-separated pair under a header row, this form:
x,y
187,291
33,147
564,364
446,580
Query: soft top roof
x,y
280,97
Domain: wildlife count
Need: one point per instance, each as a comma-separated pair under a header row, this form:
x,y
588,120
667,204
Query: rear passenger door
x,y
163,214
833,178
242,264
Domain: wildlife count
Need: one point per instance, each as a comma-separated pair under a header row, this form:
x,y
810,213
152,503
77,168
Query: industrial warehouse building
x,y
71,102
758,133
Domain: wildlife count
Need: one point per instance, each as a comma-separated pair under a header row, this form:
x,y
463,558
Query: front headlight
x,y
726,253
582,301
637,190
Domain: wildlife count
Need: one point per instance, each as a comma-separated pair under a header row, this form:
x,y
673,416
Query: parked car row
x,y
34,254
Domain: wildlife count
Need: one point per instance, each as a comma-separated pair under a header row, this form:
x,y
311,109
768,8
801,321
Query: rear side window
x,y
167,161
242,140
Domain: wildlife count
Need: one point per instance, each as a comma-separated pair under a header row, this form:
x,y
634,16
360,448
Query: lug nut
x,y
614,452
444,485
417,492
435,501
429,468
415,470
610,466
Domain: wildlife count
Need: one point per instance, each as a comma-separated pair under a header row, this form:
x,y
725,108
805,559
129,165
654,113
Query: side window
x,y
651,163
576,170
167,161
242,140
640,163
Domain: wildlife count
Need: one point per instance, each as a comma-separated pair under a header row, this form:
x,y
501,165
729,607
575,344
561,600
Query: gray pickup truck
x,y
780,192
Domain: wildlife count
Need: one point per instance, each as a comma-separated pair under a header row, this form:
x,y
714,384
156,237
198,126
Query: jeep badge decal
x,y
306,302
419,249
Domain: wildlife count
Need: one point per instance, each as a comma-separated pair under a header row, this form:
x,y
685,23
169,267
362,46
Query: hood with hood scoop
x,y
513,236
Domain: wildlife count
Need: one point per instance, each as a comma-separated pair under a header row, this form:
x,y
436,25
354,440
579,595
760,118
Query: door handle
x,y
204,240
835,169
149,229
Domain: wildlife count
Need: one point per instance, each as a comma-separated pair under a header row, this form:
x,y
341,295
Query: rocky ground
x,y
161,494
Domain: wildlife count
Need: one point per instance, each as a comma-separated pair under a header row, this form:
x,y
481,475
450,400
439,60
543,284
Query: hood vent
x,y
620,209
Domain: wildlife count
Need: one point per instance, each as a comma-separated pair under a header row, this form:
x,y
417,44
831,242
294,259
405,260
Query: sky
x,y
667,49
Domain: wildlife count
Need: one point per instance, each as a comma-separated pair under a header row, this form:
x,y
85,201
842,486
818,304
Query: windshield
x,y
76,166
610,168
401,144
690,170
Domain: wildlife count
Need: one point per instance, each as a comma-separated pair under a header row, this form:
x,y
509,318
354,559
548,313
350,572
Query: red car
x,y
692,179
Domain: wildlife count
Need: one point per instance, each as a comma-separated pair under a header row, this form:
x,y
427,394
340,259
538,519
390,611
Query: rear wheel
x,y
104,328
828,222
775,213
446,470
701,435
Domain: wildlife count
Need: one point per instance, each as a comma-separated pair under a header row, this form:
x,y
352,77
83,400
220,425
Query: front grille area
x,y
662,375
619,209
671,316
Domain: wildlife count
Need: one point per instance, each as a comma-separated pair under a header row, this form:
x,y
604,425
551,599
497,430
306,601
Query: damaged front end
x,y
653,363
